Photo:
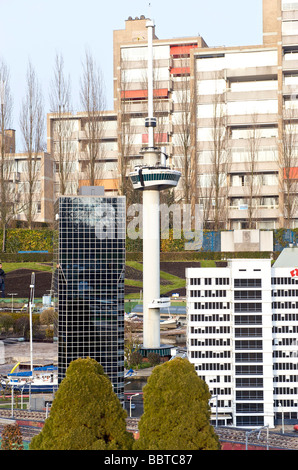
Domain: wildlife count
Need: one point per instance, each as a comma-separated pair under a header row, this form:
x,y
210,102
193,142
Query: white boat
x,y
43,380
38,379
169,323
132,317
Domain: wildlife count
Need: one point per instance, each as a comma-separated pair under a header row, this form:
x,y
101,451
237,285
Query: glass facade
x,y
89,283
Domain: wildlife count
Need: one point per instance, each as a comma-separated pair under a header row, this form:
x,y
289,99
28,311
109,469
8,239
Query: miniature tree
x,y
86,414
176,410
12,438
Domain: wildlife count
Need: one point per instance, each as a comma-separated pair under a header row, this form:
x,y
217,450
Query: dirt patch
x,y
133,274
177,268
18,282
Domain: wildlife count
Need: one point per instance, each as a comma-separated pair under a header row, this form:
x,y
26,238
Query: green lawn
x,y
8,267
174,281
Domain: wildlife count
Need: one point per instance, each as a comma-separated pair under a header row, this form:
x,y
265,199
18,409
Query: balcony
x,y
290,65
252,95
265,72
259,212
249,119
290,40
243,191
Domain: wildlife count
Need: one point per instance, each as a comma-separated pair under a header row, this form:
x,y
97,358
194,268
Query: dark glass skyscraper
x,y
89,283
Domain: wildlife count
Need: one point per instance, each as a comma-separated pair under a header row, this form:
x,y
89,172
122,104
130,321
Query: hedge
x,y
42,240
20,239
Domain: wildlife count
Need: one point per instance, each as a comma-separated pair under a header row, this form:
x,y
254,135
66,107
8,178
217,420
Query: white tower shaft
x,y
151,178
150,26
151,269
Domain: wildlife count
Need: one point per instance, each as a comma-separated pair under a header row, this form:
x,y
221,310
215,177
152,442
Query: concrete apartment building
x,y
16,175
67,142
242,338
225,115
43,186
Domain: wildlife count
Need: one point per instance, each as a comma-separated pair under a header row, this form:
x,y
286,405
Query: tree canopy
x,y
86,414
176,410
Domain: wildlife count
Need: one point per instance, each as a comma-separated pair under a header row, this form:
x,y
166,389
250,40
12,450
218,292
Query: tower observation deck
x,y
151,178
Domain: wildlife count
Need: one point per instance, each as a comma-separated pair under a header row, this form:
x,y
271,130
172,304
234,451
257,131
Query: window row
x,y
285,293
249,408
249,382
248,283
285,317
248,344
248,307
249,395
248,357
283,305
211,305
283,280
208,293
248,332
285,329
285,366
212,341
211,366
210,354
248,320
213,330
248,295
285,391
209,317
249,370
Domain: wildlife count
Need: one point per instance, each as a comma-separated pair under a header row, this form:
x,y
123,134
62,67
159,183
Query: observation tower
x,y
151,178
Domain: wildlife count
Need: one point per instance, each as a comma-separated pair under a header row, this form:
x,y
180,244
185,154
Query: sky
x,y
37,30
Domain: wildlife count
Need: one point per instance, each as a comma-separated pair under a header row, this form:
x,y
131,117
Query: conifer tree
x,y
86,414
176,410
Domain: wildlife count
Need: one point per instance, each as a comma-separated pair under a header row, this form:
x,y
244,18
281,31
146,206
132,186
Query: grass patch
x,y
8,267
174,281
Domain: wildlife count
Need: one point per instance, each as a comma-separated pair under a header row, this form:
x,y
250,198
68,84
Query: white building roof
x,y
287,258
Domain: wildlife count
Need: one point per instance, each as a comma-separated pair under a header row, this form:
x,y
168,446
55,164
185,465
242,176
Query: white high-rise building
x,y
242,325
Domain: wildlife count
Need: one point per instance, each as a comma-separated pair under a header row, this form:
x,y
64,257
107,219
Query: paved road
x,y
12,352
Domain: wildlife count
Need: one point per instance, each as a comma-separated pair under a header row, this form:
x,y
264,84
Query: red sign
x,y
294,272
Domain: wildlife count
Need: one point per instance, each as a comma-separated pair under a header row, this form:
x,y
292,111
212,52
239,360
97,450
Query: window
x,y
248,307
247,295
248,283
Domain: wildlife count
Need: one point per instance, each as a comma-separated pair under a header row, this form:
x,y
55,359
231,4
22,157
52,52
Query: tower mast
x,y
151,178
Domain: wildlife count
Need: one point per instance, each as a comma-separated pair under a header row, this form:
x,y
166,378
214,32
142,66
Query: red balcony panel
x,y
182,50
143,94
161,138
178,71
291,173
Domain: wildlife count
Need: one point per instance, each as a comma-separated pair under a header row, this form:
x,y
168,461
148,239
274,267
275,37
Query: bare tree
x,y
7,189
288,163
93,104
32,129
253,182
126,135
63,152
220,160
185,96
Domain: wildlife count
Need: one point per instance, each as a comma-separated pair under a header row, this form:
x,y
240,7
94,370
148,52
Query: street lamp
x,y
259,433
135,395
216,396
12,301
282,418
